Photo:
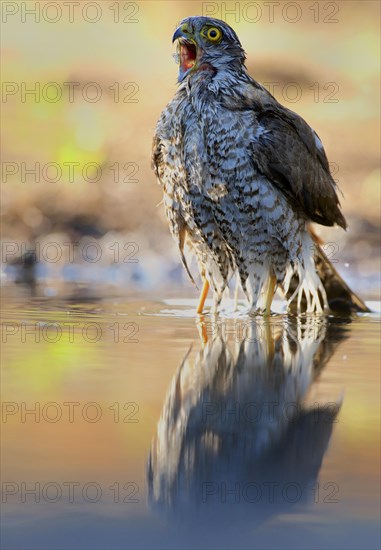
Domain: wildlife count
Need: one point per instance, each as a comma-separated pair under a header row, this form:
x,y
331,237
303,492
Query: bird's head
x,y
207,44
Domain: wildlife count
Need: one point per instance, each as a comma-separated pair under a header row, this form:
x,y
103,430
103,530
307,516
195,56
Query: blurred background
x,y
83,86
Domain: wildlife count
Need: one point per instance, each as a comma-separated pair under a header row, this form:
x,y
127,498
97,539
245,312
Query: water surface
x,y
152,429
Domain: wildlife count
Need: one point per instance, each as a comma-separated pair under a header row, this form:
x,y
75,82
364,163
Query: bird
x,y
243,178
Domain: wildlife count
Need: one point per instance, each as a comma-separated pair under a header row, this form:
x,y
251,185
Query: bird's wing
x,y
290,154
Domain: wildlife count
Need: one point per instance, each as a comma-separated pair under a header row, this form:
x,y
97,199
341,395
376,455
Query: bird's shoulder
x,y
250,95
288,152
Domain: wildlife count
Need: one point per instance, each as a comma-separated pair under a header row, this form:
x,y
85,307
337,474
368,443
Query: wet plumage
x,y
242,175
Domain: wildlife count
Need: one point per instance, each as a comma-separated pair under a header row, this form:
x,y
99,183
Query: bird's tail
x,y
340,298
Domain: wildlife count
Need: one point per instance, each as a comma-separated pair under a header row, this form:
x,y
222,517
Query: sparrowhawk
x,y
243,177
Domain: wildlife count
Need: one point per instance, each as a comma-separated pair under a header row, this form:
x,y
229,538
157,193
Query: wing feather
x,y
290,154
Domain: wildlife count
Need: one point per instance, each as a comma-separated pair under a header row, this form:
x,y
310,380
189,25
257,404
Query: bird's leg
x,y
202,330
204,294
270,294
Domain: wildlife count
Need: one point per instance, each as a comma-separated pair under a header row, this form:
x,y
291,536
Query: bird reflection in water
x,y
236,434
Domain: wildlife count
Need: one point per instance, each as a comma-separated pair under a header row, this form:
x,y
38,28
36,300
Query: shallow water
x,y
153,430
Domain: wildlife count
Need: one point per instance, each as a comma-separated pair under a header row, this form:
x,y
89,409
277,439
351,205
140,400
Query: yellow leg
x,y
204,294
270,294
202,330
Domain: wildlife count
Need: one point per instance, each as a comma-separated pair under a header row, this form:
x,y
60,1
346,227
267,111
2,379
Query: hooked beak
x,y
187,50
180,32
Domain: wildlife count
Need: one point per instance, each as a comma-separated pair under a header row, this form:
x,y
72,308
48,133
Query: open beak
x,y
187,51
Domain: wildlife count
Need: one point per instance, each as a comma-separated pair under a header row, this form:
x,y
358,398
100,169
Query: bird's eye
x,y
213,34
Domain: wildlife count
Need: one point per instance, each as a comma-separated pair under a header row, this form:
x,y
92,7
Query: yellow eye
x,y
213,34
